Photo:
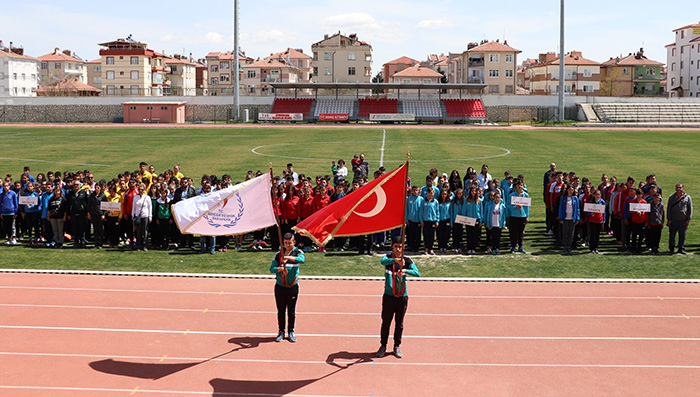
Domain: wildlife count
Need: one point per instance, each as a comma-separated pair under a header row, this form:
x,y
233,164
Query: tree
x,y
443,79
607,85
379,78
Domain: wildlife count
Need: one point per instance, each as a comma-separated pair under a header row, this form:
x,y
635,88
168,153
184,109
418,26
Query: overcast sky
x,y
600,29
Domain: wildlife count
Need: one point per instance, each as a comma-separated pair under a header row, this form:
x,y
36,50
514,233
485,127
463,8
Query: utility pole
x,y
562,70
236,61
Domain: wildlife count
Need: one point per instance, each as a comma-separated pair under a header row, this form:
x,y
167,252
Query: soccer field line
x,y
53,162
354,336
377,295
346,362
381,156
367,313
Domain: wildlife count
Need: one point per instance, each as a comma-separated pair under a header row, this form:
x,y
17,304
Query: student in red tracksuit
x,y
289,208
305,209
552,194
595,223
637,223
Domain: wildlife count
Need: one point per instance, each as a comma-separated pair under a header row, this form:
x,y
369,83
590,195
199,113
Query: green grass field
x,y
106,151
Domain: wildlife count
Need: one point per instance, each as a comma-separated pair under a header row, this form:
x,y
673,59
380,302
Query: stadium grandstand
x,y
381,102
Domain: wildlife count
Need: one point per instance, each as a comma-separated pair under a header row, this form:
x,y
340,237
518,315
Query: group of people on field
x,y
448,213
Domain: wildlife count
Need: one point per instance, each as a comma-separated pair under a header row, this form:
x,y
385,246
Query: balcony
x,y
475,62
477,80
270,79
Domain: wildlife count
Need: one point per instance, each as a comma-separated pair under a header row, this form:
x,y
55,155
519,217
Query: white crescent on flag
x,y
235,210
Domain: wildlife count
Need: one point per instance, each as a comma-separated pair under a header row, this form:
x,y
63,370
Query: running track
x,y
86,335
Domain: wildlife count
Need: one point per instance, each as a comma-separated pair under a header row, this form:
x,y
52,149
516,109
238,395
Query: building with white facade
x,y
19,73
683,62
61,65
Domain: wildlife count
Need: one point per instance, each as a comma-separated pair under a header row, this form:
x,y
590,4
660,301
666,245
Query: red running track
x,y
70,335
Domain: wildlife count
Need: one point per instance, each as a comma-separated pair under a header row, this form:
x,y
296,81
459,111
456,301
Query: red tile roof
x,y
58,57
290,53
98,60
493,46
404,60
417,71
573,60
10,54
695,25
268,63
631,60
67,86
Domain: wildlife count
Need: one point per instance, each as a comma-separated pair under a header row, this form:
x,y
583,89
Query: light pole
x,y
236,77
562,76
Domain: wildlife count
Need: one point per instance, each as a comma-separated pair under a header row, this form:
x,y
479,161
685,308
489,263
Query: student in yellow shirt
x,y
113,218
176,172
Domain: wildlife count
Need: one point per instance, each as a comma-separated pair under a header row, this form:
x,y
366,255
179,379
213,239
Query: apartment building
x,y
220,71
61,65
683,62
258,75
416,75
397,65
181,76
633,75
295,57
342,59
522,74
201,77
94,73
582,76
19,73
492,63
131,68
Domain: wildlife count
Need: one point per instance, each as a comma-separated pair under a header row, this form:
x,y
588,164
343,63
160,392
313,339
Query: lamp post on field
x,y
562,75
236,76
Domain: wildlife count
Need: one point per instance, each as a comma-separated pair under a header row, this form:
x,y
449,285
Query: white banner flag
x,y
235,210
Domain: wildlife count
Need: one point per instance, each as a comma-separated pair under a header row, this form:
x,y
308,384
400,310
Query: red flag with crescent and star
x,y
375,207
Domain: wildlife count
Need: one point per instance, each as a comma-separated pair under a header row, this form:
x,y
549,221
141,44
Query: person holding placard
x,y
57,208
595,221
495,214
32,213
678,215
519,216
636,221
568,217
655,223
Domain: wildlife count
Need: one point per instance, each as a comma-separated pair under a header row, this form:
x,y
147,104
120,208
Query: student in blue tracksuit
x,y
458,208
44,198
429,184
286,267
472,209
444,219
395,299
9,207
494,218
519,216
569,216
429,220
31,214
414,204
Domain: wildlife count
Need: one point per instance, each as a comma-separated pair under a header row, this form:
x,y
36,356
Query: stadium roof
x,y
370,86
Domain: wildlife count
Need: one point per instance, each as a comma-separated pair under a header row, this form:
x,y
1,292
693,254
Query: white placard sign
x,y
281,116
636,207
521,201
29,200
392,117
465,220
594,208
110,206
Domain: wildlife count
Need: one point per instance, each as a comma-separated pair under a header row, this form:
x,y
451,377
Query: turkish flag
x,y
375,207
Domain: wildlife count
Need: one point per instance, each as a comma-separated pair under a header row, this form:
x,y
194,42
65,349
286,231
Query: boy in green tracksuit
x,y
395,299
287,286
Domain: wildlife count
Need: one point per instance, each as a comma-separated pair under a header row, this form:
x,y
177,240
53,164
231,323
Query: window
x,y
173,69
110,90
251,89
109,61
163,108
493,89
625,70
33,76
509,73
224,77
223,65
651,71
351,71
134,74
327,56
493,73
673,81
681,82
24,77
315,71
493,57
327,71
14,76
587,88
214,68
132,107
96,80
149,107
121,73
351,56
44,65
427,81
406,81
2,76
96,68
315,58
509,58
587,73
509,89
214,81
252,74
682,36
681,65
134,90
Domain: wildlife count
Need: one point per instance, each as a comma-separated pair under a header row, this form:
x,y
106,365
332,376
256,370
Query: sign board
x,y
29,200
594,208
636,207
281,116
110,206
392,117
521,201
465,220
333,117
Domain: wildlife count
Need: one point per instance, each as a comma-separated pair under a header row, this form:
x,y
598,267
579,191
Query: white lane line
x,y
381,156
53,162
266,312
354,336
372,362
140,391
654,298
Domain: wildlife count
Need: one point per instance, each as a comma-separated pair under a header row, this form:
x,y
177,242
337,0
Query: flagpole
x,y
274,207
403,225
